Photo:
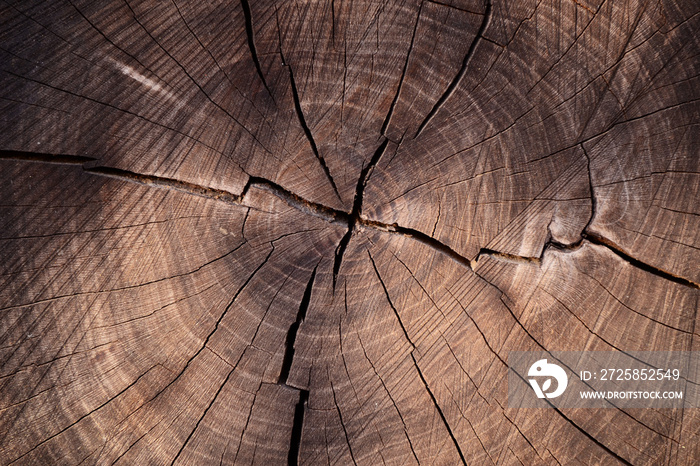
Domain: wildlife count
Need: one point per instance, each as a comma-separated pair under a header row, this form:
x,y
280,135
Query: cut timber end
x,y
241,232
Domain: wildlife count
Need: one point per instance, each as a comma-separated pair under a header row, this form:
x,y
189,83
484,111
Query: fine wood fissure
x,y
462,71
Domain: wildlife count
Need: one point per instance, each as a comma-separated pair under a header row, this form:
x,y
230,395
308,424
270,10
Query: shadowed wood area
x,y
310,232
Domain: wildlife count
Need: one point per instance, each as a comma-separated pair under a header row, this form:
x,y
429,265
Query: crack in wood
x,y
462,71
124,175
439,410
168,183
421,238
251,43
59,159
321,211
342,424
391,304
335,216
602,241
307,130
387,119
594,205
294,328
592,238
194,81
297,428
245,427
355,214
507,257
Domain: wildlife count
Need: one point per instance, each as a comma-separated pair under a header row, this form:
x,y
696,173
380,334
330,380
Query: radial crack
x,y
508,257
342,424
602,241
421,238
592,238
123,175
340,250
590,188
465,63
386,292
60,159
310,208
307,130
387,119
251,42
294,328
355,215
247,421
167,183
297,428
439,410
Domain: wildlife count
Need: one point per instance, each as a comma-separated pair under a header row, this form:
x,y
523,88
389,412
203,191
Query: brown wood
x,y
238,232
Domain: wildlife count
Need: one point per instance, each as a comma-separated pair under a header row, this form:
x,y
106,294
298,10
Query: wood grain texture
x,y
237,232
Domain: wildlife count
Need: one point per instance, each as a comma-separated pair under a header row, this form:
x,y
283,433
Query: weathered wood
x,y
240,232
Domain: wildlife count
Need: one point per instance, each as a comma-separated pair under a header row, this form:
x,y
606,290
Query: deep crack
x,y
251,43
590,188
331,215
342,424
298,422
355,214
602,241
297,428
59,159
391,304
294,328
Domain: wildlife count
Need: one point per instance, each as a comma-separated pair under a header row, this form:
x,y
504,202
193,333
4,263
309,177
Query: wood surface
x,y
310,232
